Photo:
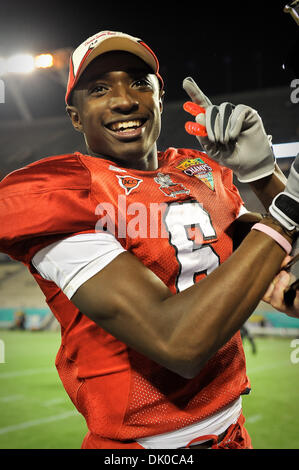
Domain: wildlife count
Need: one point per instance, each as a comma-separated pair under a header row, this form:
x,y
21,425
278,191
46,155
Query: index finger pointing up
x,y
195,93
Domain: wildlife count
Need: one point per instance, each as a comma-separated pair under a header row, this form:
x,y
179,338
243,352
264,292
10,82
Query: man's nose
x,y
123,100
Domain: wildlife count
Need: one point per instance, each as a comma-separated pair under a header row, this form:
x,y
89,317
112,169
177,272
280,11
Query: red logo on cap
x,y
95,38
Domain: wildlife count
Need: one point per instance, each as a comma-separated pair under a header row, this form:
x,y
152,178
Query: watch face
x,y
289,207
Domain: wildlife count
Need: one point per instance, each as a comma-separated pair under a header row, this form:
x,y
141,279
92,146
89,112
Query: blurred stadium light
x,y
19,63
44,61
28,63
24,64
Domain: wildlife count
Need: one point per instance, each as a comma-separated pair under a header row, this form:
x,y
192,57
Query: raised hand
x,y
232,135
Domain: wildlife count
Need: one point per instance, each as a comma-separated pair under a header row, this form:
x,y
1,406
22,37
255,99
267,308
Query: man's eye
x,y
141,83
98,89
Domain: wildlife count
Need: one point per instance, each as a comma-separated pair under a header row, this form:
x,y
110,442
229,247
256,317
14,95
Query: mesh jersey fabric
x,y
122,394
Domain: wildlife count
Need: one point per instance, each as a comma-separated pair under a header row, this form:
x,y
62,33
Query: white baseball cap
x,y
106,41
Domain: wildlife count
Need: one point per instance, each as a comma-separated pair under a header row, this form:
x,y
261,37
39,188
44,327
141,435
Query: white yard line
x,y
38,422
254,418
262,368
20,373
55,401
11,398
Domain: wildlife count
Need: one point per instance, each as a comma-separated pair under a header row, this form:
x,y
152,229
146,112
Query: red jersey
x,y
178,221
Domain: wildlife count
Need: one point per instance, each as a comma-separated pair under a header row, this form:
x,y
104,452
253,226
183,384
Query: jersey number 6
x,y
194,258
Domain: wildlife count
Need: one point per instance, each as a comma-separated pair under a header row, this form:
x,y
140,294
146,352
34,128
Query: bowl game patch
x,y
198,168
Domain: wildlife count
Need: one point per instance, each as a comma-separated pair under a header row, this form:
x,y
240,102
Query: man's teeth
x,y
117,126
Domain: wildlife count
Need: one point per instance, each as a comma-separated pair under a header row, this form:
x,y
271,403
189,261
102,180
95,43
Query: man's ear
x,y
75,117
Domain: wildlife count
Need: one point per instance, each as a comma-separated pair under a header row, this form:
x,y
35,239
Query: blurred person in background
x,y
19,321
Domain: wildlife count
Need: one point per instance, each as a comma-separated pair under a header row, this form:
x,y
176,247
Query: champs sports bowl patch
x,y
198,168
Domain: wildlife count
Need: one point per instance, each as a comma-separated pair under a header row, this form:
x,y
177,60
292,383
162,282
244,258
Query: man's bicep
x,y
123,284
109,285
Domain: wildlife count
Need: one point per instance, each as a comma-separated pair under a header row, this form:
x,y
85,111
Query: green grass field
x,y
36,413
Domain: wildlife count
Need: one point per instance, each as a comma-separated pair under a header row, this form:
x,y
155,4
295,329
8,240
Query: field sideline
x,y
36,413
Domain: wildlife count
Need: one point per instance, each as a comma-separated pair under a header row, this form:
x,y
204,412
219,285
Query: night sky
x,y
225,46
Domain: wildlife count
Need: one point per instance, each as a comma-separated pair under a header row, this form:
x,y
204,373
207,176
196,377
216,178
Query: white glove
x,y
285,206
235,136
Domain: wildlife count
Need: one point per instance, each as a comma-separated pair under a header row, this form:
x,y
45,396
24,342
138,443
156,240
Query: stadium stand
x,y
43,137
20,293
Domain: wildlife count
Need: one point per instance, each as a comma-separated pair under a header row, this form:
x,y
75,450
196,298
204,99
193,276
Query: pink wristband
x,y
275,235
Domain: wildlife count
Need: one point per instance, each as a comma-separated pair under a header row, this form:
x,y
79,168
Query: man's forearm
x,y
267,188
181,332
217,307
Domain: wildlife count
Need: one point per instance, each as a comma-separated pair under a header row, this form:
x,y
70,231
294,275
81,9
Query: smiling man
x,y
151,352
110,117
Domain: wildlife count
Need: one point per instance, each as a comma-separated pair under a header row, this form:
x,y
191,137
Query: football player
x,y
133,249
